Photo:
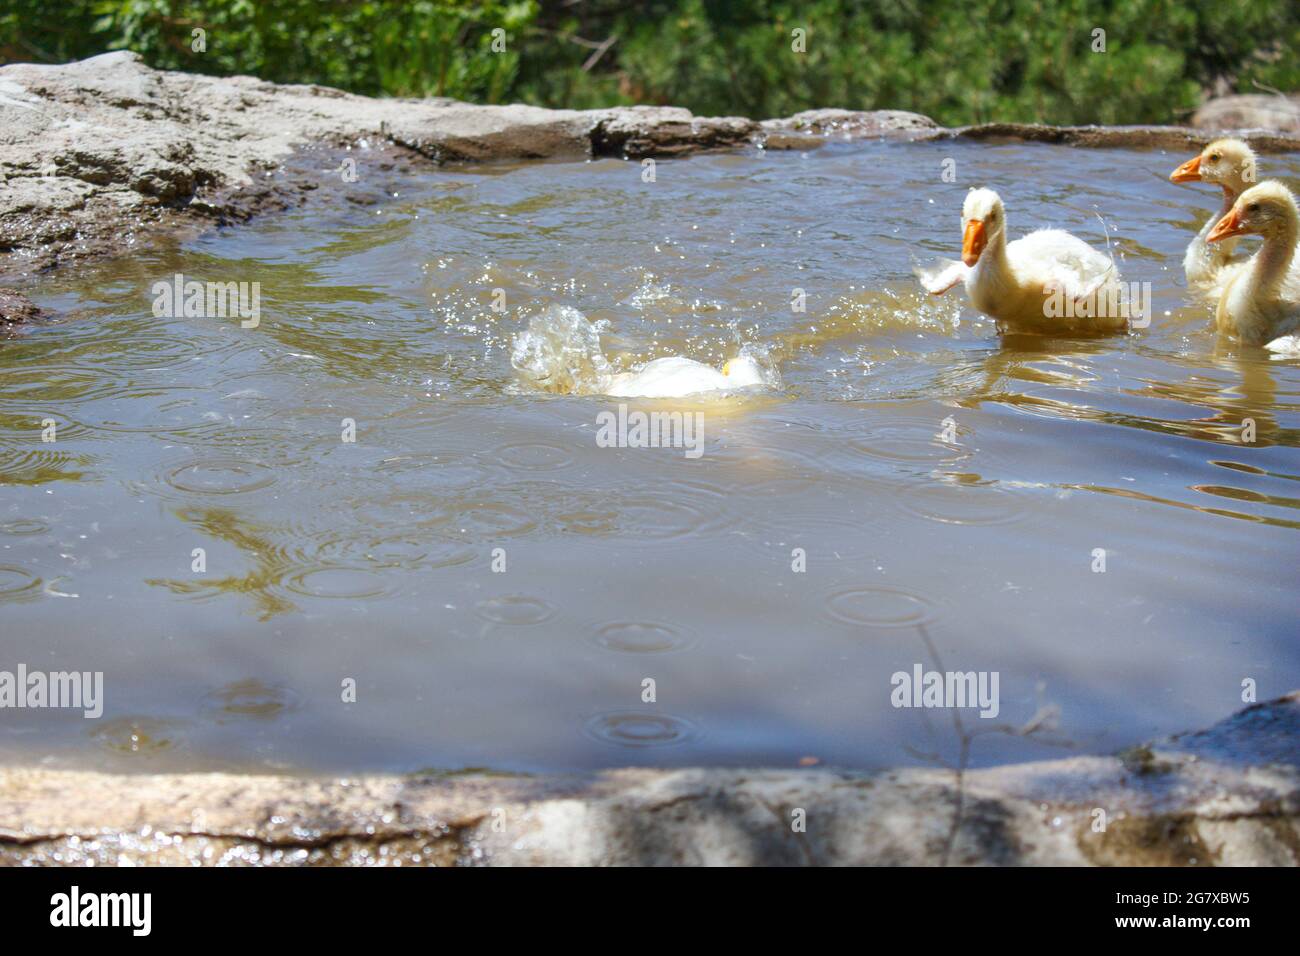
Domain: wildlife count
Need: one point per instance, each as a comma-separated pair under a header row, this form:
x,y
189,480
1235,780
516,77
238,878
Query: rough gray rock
x,y
1250,111
853,124
16,308
812,128
1119,137
1229,795
97,156
639,131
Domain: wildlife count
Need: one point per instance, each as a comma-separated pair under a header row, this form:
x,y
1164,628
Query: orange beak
x,y
1229,225
973,241
1189,172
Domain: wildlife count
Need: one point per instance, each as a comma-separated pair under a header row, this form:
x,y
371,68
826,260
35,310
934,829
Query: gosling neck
x,y
1229,199
993,266
1273,260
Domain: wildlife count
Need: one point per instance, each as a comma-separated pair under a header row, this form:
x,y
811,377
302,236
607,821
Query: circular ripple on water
x,y
490,519
517,609
769,471
642,637
18,584
354,584
671,512
410,552
913,441
586,521
960,502
821,536
138,736
36,466
38,385
249,699
402,510
219,476
627,728
434,472
158,348
24,526
879,607
533,456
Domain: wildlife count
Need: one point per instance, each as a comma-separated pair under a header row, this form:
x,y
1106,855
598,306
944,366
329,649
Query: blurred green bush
x,y
959,61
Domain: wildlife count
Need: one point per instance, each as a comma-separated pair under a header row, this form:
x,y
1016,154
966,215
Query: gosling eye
x,y
1214,157
1253,207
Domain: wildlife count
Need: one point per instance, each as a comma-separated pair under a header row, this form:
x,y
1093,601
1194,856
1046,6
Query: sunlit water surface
x,y
373,561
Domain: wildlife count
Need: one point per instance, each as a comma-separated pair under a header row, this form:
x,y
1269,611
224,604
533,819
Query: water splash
x,y
560,352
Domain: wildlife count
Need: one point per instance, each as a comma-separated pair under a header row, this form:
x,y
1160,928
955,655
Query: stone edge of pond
x,y
105,156
1123,137
1228,795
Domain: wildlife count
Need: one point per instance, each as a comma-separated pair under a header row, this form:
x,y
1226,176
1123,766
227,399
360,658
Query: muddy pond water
x,y
498,586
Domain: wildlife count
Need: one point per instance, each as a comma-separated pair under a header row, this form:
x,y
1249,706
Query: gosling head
x,y
1265,210
982,220
1229,163
743,371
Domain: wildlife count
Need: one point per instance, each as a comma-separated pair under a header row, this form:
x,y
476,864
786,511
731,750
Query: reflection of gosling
x,y
676,376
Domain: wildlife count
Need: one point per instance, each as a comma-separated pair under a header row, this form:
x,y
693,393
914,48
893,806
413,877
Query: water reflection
x,y
271,562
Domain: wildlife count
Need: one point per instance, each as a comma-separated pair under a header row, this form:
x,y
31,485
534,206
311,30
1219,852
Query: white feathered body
x,y
676,375
1015,285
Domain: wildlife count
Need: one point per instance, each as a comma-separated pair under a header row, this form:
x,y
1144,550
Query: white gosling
x,y
1229,164
1260,302
676,376
1048,281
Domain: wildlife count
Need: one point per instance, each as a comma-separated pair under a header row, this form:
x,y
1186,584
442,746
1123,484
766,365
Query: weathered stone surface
x,y
852,124
1118,137
1250,111
16,307
1229,795
98,156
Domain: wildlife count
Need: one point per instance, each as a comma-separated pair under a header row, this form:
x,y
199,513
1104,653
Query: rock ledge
x,y
1229,795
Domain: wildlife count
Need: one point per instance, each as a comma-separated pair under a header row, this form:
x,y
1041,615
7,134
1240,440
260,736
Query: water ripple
x,y
627,728
139,737
885,607
219,476
249,699
642,637
516,609
18,584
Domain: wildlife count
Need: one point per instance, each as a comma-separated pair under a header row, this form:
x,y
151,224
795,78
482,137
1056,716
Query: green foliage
x,y
959,61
